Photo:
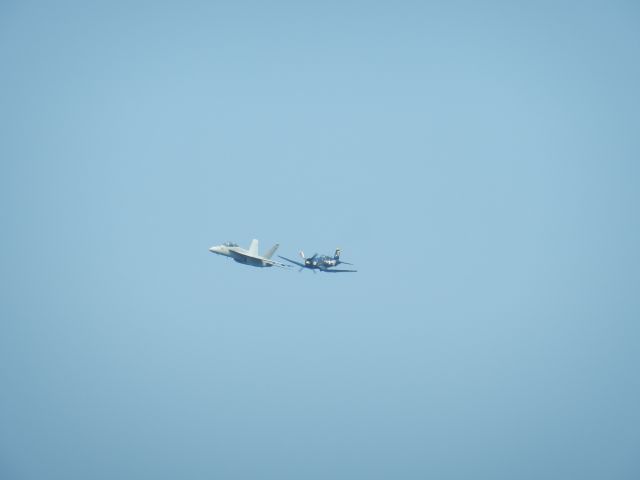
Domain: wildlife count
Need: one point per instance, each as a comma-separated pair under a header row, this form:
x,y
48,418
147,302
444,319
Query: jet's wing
x,y
292,261
241,254
331,270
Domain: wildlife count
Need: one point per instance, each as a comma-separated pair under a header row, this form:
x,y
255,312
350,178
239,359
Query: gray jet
x,y
248,257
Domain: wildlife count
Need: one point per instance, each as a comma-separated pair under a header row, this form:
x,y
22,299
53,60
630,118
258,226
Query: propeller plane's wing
x,y
331,270
292,261
274,263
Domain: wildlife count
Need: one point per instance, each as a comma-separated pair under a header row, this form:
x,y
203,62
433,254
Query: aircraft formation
x,y
252,257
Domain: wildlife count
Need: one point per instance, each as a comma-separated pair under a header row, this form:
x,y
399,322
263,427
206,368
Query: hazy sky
x,y
477,161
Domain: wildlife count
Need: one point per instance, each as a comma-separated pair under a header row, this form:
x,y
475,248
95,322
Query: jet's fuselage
x,y
238,254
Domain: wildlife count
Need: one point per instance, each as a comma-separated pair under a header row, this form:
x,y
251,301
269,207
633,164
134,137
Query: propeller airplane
x,y
324,263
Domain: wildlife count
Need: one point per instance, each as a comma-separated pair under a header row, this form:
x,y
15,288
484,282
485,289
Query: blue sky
x,y
478,163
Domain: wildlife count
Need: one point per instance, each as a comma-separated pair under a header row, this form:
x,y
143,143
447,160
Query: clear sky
x,y
477,161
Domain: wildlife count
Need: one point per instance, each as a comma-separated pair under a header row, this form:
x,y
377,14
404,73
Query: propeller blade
x,y
302,254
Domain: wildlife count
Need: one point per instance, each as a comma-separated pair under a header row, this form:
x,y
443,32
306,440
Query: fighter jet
x,y
248,257
324,263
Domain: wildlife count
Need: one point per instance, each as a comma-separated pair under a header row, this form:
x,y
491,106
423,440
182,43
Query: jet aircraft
x,y
324,263
248,257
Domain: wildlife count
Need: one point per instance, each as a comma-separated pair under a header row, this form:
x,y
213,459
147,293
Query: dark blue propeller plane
x,y
324,263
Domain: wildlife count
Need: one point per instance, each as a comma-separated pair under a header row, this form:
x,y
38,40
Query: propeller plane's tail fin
x,y
336,257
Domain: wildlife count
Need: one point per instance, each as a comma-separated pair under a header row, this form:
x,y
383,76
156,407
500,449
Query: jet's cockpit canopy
x,y
230,244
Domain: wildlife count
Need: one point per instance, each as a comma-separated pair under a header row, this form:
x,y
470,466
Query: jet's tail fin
x,y
253,248
336,256
271,251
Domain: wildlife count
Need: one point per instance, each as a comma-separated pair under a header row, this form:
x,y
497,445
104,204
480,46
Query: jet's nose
x,y
214,249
